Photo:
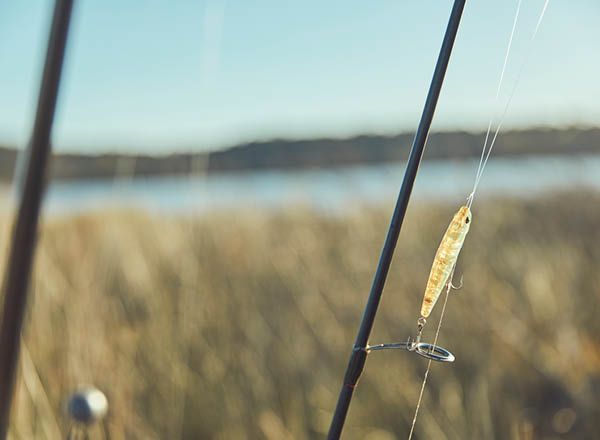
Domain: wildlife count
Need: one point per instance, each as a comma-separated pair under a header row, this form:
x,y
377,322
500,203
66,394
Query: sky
x,y
159,76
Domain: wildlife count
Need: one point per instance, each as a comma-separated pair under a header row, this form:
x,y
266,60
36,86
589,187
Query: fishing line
x,y
213,23
480,168
483,164
435,339
501,80
485,154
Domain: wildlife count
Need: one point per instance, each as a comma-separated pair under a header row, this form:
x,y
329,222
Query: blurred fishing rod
x,y
18,270
360,349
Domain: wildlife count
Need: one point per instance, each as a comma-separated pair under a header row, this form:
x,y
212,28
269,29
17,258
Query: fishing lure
x,y
445,259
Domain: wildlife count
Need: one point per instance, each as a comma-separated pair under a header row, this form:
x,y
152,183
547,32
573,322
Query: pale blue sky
x,y
178,75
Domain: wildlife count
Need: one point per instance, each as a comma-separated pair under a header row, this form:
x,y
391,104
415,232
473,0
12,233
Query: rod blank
x,y
359,352
16,281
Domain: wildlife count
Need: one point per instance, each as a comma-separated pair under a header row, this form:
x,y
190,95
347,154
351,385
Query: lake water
x,y
327,190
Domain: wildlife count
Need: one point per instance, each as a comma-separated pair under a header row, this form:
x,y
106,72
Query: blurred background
x,y
222,182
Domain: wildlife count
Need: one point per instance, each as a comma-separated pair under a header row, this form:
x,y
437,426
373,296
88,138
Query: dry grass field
x,y
237,325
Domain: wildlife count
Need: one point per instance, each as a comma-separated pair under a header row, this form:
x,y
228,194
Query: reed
x,y
238,326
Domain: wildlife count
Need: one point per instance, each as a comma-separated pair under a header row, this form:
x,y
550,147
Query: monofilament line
x,y
500,81
437,333
498,88
483,164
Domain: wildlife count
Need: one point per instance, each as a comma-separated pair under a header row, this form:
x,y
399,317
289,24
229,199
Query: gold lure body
x,y
445,258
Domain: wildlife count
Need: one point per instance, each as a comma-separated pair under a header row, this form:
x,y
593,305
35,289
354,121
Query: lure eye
x,y
467,220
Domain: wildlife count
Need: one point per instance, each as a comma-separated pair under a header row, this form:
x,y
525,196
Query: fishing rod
x,y
18,270
360,349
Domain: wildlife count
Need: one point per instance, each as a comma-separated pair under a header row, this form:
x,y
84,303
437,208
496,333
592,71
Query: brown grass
x,y
238,325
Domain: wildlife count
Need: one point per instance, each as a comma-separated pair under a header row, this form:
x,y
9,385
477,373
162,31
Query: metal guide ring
x,y
434,352
429,351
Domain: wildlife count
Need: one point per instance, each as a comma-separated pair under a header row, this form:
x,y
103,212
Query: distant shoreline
x,y
283,155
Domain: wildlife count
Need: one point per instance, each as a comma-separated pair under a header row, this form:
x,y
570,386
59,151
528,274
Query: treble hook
x,y
460,285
